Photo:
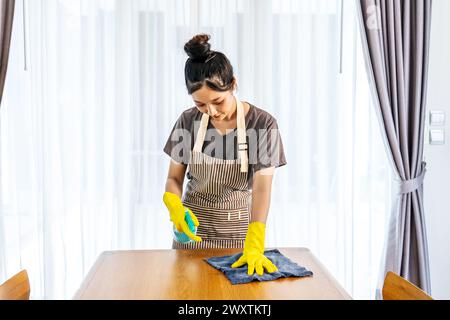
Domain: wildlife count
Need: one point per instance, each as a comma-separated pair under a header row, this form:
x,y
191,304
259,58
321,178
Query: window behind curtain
x,y
82,131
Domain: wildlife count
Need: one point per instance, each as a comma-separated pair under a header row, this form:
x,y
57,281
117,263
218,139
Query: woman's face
x,y
218,105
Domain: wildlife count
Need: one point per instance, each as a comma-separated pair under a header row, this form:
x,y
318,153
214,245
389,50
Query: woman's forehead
x,y
206,94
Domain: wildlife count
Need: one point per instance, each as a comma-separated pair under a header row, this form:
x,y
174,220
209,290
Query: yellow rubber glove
x,y
177,215
253,254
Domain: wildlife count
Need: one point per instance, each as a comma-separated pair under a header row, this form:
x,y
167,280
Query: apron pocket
x,y
221,224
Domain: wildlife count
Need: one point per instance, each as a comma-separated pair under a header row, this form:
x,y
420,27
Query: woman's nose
x,y
211,111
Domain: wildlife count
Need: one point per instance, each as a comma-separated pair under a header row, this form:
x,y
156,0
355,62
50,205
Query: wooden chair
x,y
398,288
16,288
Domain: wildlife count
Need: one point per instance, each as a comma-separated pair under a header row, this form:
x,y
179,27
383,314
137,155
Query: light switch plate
x,y
437,118
437,136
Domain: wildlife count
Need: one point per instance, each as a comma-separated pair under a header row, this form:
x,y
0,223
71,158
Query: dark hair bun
x,y
198,47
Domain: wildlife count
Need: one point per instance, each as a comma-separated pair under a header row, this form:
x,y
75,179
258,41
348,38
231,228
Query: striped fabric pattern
x,y
217,194
209,244
221,209
213,181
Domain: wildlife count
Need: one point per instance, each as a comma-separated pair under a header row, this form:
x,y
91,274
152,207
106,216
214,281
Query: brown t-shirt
x,y
265,147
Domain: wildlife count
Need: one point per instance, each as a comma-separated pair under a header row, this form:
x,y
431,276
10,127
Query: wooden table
x,y
183,274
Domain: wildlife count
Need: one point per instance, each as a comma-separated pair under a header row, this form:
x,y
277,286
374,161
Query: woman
x,y
230,149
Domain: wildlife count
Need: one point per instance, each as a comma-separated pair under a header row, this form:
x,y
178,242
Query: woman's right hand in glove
x,y
177,215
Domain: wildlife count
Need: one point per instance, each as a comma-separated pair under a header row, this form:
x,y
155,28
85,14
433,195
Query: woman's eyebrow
x,y
211,100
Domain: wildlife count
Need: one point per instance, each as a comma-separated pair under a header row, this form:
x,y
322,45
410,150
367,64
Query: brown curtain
x,y
396,36
6,23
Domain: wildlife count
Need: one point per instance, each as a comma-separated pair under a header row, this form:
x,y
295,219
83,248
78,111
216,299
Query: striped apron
x,y
217,192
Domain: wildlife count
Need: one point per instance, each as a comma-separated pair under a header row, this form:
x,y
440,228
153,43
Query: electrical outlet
x,y
437,136
437,118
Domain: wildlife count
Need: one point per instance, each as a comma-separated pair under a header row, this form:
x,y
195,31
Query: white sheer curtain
x,y
89,104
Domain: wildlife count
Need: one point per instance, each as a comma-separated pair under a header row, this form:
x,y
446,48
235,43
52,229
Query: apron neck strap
x,y
201,133
242,136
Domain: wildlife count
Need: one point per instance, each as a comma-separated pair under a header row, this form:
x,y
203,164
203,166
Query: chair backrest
x,y
16,288
398,288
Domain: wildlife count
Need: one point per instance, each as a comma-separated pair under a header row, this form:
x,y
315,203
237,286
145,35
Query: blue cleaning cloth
x,y
286,268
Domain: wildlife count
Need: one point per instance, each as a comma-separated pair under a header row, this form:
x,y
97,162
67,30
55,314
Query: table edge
x,y
91,274
331,278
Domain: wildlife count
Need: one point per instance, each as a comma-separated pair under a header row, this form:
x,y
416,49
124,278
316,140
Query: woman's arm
x,y
175,178
261,191
253,254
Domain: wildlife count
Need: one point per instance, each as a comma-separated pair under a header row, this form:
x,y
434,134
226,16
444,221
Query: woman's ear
x,y
234,84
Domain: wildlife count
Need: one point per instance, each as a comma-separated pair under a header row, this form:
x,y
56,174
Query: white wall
x,y
437,181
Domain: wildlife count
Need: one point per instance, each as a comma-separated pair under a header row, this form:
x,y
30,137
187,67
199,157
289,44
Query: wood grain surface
x,y
183,274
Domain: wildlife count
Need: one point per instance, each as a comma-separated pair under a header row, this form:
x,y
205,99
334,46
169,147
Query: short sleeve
x,y
269,151
179,142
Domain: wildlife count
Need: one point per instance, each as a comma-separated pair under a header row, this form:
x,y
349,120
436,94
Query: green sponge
x,y
181,236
